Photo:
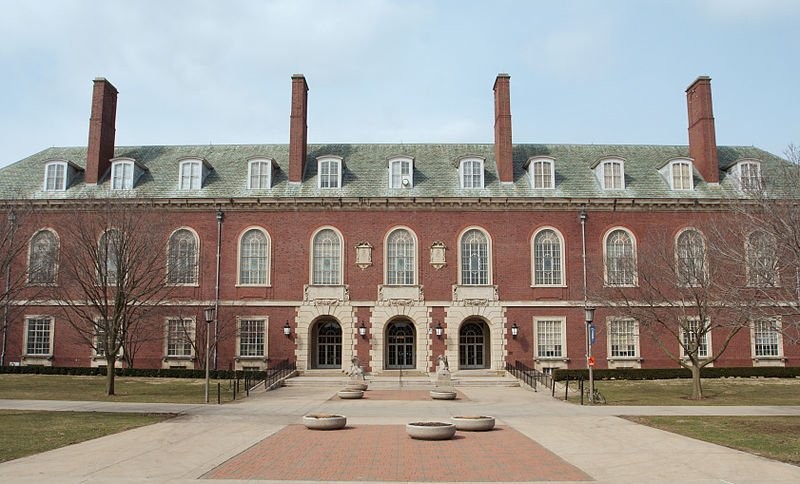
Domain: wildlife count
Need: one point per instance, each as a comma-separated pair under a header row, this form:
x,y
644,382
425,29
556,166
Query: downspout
x,y
12,222
216,286
583,254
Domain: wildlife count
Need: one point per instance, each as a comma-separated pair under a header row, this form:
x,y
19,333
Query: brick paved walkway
x,y
387,453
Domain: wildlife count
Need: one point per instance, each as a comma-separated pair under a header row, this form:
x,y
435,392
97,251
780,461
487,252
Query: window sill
x,y
254,285
551,358
265,359
546,286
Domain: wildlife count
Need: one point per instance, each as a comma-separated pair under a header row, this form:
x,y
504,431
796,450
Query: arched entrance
x,y
400,343
473,341
327,344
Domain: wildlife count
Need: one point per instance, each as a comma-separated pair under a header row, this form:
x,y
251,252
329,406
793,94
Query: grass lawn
x,y
772,437
128,389
25,433
717,391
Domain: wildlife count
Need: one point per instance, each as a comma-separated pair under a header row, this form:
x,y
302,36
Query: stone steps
x,y
463,379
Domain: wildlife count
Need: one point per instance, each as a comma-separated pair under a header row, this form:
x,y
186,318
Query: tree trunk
x,y
110,363
697,388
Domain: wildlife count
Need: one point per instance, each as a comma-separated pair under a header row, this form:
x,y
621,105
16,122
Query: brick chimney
x,y
702,135
298,129
102,128
502,128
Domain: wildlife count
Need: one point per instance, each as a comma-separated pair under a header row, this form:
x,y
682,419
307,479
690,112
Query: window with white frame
x,y
110,257
182,257
122,173
330,172
100,343
696,337
259,175
401,173
762,261
327,258
541,172
613,175
401,258
767,338
548,256
251,337
620,258
38,336
474,258
180,332
549,338
749,175
690,257
623,338
43,258
681,175
254,258
55,176
191,175
471,173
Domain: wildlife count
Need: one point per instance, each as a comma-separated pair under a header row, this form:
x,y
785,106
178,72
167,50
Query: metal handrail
x,y
530,376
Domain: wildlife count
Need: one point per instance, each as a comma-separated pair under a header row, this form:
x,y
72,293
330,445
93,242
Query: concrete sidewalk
x,y
592,440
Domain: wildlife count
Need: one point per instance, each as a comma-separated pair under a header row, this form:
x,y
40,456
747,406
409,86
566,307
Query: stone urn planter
x,y
324,421
443,394
474,423
357,385
350,393
431,430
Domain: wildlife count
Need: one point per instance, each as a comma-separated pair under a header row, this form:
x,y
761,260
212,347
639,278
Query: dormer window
x,y
55,176
541,172
401,173
192,174
611,174
749,174
259,174
471,171
679,174
124,173
329,172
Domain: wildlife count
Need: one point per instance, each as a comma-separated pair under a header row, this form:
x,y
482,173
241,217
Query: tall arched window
x,y
327,258
401,259
547,259
182,257
762,261
43,258
474,258
620,259
110,258
253,258
690,257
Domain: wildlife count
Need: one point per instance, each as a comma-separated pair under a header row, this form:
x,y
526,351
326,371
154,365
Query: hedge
x,y
671,373
140,372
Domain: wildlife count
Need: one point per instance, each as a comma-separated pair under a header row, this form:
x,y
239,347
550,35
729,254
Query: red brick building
x,y
392,253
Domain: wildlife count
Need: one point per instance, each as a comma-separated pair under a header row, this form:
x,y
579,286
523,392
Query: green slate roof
x,y
365,172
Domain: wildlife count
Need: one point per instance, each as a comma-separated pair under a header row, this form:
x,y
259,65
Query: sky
x,y
391,71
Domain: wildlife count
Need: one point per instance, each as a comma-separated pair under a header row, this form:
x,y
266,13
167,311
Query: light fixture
x,y
439,330
589,311
514,330
209,315
362,330
287,330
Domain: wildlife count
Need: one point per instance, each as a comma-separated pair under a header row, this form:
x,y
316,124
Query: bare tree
x,y
112,273
195,336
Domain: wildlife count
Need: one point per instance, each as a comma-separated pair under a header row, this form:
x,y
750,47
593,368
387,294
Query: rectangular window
x,y
179,337
548,338
55,176
766,338
122,176
624,338
251,337
691,337
191,175
37,335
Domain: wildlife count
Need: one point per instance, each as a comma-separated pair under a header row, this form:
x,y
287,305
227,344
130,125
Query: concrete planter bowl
x,y
350,394
443,394
473,423
324,421
431,430
357,385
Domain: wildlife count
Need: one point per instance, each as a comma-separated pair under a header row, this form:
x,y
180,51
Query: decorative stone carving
x,y
400,295
326,295
438,255
363,255
475,295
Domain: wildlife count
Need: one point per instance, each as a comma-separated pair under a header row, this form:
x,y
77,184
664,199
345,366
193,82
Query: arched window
x,y
762,261
620,258
540,172
259,174
43,258
681,175
191,175
401,258
471,171
749,172
182,257
55,176
474,258
401,173
690,257
547,258
329,172
327,258
111,258
253,258
613,175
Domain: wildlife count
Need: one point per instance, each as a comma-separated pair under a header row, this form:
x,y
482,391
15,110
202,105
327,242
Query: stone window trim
x,y
775,334
552,322
389,256
194,277
631,278
26,343
541,172
265,338
53,281
267,270
618,338
401,172
561,258
488,255
335,276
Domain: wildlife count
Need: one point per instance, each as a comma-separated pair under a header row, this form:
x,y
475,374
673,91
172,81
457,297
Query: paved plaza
x,y
261,439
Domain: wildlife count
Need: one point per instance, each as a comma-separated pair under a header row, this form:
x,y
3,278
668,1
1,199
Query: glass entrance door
x,y
472,346
400,346
329,345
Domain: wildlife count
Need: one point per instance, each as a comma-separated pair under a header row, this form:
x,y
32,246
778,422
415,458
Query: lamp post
x,y
209,314
589,313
